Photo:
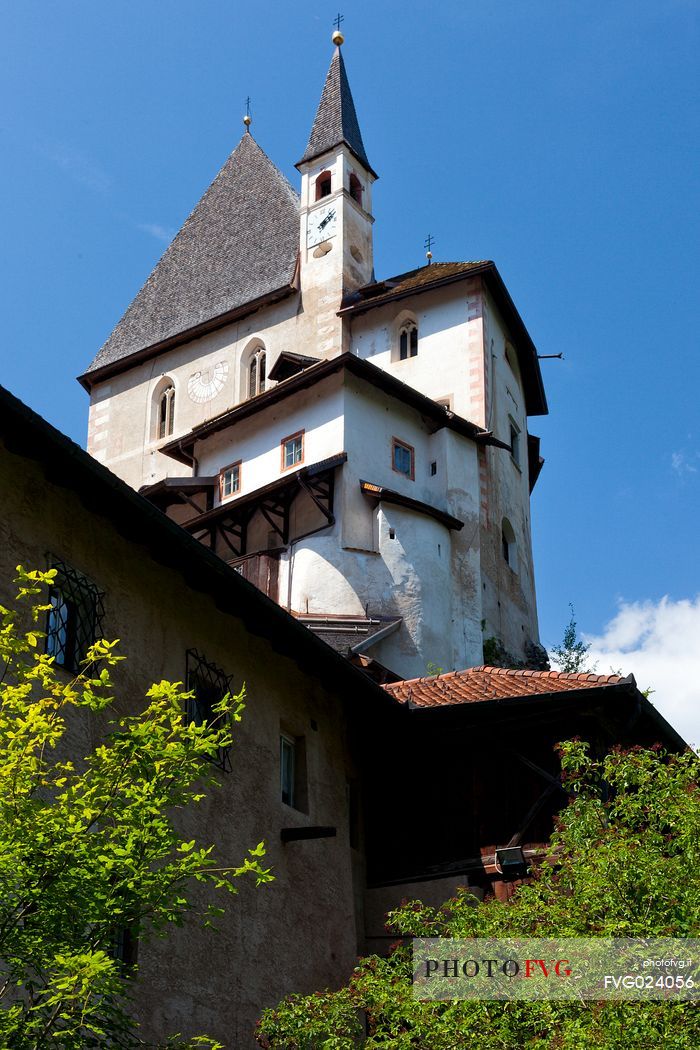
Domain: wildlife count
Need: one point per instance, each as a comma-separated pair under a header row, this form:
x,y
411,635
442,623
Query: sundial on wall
x,y
206,383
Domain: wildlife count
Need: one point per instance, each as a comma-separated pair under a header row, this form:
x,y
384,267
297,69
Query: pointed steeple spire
x,y
336,119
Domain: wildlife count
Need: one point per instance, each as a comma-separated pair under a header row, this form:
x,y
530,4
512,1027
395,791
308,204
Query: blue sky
x,y
555,137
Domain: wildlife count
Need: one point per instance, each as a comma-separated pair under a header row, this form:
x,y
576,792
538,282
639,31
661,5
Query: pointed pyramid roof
x,y
239,244
336,119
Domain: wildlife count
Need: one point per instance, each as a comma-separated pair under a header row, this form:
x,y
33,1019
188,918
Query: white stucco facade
x,y
452,587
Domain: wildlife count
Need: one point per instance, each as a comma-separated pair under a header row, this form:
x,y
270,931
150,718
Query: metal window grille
x,y
209,684
74,619
124,946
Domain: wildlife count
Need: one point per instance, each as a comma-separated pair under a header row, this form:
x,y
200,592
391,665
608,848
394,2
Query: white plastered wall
x,y
120,427
509,596
449,343
424,572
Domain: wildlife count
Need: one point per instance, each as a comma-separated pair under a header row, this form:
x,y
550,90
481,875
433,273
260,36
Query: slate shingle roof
x,y
240,243
414,281
336,118
477,684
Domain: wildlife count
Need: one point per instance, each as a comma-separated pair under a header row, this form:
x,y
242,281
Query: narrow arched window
x,y
408,341
509,547
257,373
323,185
356,189
166,412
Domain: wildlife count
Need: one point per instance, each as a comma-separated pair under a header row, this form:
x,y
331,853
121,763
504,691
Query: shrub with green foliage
x,y
89,845
624,861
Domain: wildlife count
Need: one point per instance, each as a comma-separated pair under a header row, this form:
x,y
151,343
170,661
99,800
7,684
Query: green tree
x,y
572,655
626,864
89,846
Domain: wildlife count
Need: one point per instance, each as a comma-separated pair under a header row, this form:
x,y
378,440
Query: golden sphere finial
x,y
338,38
247,120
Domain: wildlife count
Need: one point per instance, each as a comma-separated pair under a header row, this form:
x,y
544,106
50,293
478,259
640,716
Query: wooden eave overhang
x,y
245,505
385,495
623,703
182,448
390,291
192,485
167,491
91,378
289,364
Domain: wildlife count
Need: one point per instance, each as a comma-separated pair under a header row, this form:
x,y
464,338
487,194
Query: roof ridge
x,y
580,676
239,243
508,672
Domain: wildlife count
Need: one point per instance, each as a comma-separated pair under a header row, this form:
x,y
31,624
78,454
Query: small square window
x,y
403,458
293,450
230,481
74,618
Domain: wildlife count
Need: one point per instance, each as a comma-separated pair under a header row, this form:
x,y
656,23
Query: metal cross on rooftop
x,y
247,120
338,20
428,244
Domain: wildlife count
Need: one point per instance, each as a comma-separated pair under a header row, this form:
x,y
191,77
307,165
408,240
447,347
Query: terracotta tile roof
x,y
476,684
240,243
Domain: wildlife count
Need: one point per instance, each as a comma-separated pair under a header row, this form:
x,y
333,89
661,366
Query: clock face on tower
x,y
322,225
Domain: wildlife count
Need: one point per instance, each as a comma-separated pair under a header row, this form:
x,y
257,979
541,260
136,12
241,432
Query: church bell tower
x,y
336,202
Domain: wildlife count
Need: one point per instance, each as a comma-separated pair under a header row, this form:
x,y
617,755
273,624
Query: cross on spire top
x,y
247,120
428,245
338,37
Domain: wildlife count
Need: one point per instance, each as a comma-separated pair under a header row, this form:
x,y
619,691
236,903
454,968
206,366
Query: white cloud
x,y
681,464
161,233
77,166
659,643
